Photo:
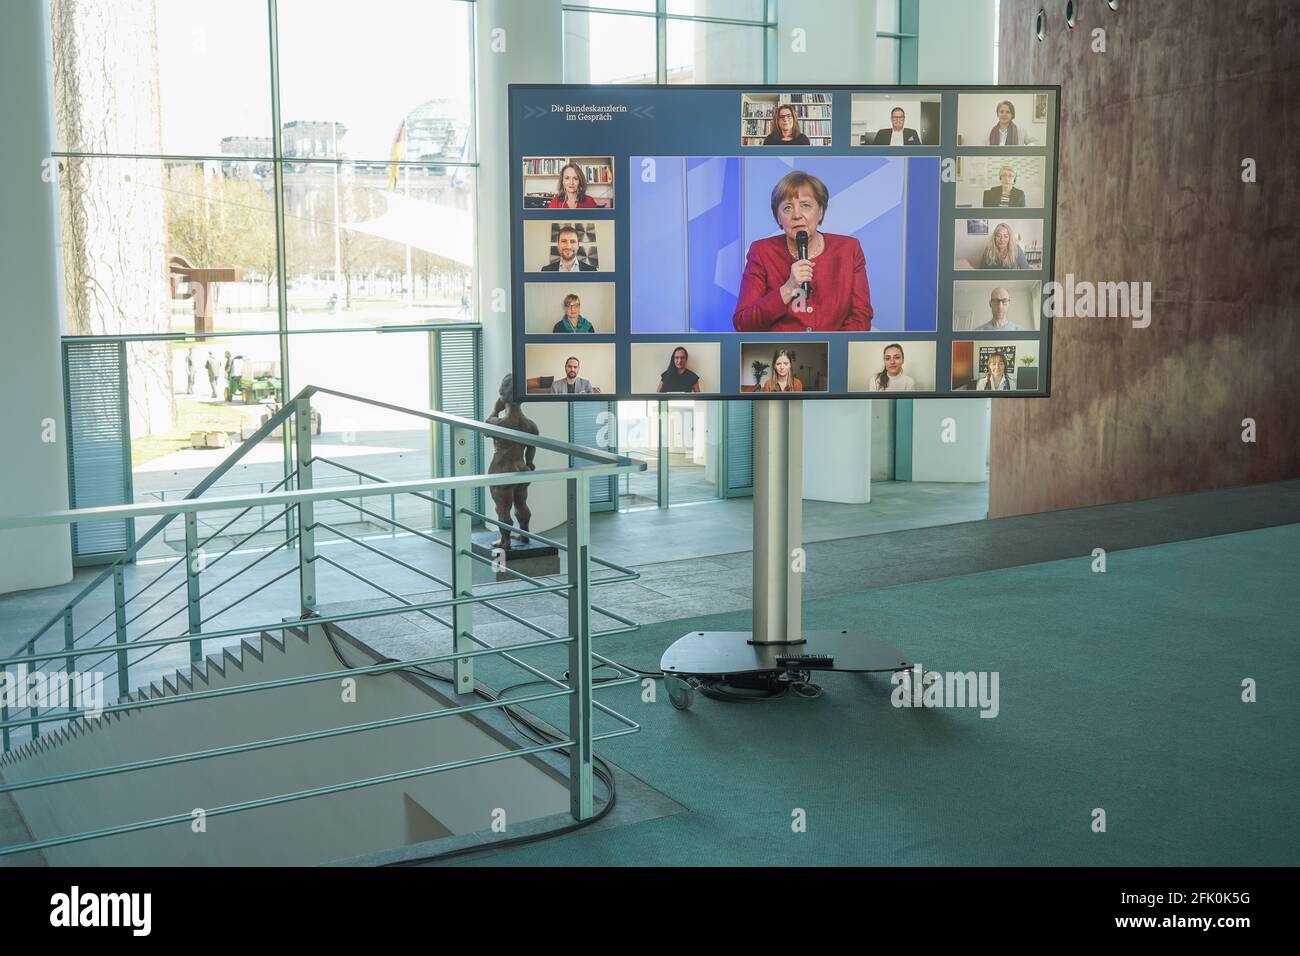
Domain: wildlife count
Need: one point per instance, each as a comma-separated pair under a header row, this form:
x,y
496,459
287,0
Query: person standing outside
x,y
213,372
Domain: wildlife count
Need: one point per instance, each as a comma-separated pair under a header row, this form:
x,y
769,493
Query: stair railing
x,y
453,493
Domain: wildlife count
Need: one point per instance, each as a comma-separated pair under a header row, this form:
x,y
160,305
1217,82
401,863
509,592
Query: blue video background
x,y
719,205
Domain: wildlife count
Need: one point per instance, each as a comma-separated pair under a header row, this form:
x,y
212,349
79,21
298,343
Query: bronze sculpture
x,y
511,456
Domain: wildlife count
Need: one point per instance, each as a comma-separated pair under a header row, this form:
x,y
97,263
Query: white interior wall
x,y
34,476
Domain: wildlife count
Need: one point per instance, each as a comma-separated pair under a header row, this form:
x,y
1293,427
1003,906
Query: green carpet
x,y
1119,691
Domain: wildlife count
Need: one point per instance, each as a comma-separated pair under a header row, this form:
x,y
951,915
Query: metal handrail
x,y
279,682
341,618
9,522
307,496
485,518
12,521
450,492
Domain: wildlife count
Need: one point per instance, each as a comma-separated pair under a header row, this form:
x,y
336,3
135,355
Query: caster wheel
x,y
681,694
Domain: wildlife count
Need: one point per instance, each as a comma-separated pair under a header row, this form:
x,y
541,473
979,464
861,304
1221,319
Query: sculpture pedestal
x,y
534,558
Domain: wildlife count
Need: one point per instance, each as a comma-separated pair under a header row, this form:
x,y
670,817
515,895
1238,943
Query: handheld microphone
x,y
801,244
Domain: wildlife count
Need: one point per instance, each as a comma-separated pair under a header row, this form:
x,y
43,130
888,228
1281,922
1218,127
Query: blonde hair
x,y
991,258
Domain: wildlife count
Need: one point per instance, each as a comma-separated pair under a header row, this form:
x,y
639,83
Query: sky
x,y
364,64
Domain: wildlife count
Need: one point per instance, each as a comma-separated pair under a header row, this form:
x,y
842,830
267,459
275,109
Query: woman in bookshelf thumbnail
x,y
571,190
573,320
677,377
1003,251
785,128
782,379
772,296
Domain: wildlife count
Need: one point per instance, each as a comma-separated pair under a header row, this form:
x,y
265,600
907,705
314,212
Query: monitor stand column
x,y
778,522
776,648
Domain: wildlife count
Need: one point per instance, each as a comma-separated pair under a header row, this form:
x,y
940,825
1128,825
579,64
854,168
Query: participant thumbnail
x,y
887,119
1006,182
568,182
995,365
998,244
784,367
998,305
891,367
570,369
673,368
569,308
560,246
785,119
1003,119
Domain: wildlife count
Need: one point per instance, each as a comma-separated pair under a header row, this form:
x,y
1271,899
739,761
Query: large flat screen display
x,y
781,242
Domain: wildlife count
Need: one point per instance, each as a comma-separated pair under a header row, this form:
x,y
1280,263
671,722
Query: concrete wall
x,y
1153,134
34,472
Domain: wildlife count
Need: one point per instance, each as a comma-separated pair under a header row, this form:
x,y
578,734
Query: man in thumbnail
x,y
567,244
999,305
677,377
897,134
571,384
573,320
778,292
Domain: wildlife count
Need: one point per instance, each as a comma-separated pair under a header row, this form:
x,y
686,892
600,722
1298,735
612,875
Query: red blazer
x,y
587,203
841,299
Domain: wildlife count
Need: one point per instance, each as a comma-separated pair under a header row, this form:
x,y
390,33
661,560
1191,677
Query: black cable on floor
x,y
721,690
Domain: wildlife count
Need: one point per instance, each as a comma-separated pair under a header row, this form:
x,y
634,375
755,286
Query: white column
x,y
837,451
950,439
837,43
954,45
954,41
34,476
514,43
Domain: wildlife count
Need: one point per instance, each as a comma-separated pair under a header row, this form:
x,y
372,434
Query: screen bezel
x,y
518,276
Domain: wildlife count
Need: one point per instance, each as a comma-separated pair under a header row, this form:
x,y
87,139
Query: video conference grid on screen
x,y
759,242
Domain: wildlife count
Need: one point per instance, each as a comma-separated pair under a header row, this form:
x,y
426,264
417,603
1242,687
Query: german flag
x,y
399,154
